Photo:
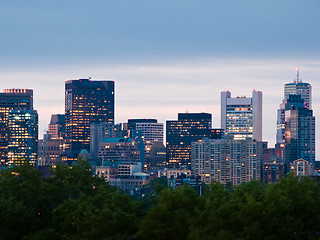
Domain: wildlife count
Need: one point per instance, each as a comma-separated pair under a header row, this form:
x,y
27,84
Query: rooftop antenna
x,y
187,110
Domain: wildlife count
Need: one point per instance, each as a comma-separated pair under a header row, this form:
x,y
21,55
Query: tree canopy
x,y
74,204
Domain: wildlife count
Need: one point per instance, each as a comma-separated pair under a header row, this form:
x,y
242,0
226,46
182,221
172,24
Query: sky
x,y
165,56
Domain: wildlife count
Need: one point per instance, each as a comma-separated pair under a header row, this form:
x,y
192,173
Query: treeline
x,y
75,205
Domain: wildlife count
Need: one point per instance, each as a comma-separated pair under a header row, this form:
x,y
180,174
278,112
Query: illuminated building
x,y
299,125
189,127
226,160
11,99
156,159
151,133
297,87
241,117
86,102
22,137
301,167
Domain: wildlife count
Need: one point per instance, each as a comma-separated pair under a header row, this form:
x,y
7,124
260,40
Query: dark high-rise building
x,y
189,127
22,137
86,102
299,134
11,99
297,87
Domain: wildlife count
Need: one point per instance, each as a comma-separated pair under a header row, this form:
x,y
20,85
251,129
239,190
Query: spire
x,y
298,76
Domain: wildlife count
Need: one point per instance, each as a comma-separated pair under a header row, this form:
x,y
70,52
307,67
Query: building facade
x,y
298,134
86,102
11,99
226,160
22,137
241,117
189,127
115,151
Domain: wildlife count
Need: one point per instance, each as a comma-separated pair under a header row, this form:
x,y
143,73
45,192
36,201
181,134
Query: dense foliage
x,y
75,205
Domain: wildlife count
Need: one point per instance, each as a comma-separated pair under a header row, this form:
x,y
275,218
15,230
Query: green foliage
x,y
73,204
172,216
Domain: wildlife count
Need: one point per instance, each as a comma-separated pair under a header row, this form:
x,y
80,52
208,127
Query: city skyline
x,y
165,57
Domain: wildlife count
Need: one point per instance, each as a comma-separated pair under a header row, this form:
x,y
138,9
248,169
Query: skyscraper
x,y
241,117
296,87
188,128
301,88
299,125
22,137
86,102
11,99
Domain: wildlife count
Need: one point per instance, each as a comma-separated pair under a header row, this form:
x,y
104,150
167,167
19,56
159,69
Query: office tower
x,y
86,102
57,126
22,137
241,117
301,88
297,87
189,127
226,160
299,125
11,99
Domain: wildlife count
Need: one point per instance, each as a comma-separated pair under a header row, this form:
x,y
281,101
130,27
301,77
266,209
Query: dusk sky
x,y
164,56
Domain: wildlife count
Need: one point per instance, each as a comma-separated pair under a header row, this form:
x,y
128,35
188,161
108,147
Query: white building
x,y
241,117
151,133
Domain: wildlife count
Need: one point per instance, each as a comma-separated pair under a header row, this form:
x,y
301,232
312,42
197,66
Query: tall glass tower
x,y
11,99
86,102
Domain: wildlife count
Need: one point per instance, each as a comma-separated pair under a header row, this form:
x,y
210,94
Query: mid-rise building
x,y
101,130
226,160
156,160
189,127
22,137
11,99
57,126
241,117
115,151
301,167
272,171
86,102
151,133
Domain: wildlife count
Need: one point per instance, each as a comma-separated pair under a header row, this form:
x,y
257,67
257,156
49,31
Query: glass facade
x,y
86,102
22,137
11,99
190,127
